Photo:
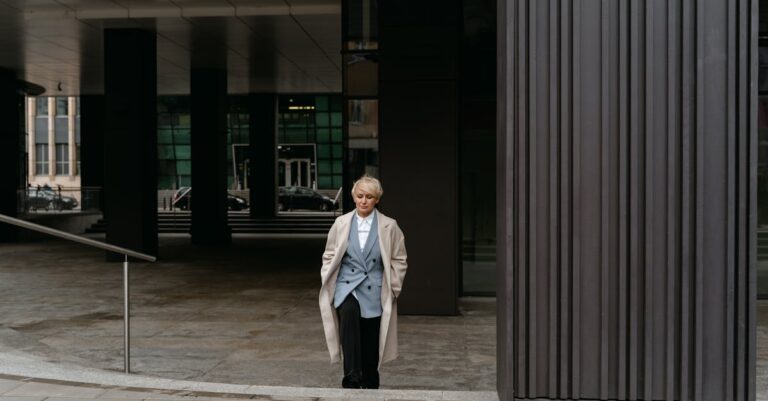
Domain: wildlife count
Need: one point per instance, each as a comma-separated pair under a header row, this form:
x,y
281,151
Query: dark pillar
x,y
627,156
419,145
209,157
11,151
263,150
92,150
130,139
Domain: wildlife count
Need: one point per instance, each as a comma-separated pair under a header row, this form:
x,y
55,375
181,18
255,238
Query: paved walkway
x,y
246,315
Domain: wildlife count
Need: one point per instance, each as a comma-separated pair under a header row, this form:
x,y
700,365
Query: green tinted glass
x,y
295,135
336,119
184,167
164,136
324,167
185,181
323,135
182,137
323,151
165,152
321,103
166,181
183,152
325,181
322,119
336,103
184,121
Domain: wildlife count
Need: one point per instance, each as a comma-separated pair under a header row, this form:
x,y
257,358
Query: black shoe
x,y
370,381
351,381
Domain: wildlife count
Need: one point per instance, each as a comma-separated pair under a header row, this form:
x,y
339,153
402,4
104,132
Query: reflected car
x,y
48,199
290,198
182,198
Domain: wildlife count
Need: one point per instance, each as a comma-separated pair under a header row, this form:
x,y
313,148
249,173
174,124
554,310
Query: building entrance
x,y
295,172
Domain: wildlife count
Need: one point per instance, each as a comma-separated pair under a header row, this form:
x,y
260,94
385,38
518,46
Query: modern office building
x,y
591,163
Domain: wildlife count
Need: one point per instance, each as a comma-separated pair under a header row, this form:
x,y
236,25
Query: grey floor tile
x,y
55,390
8,385
3,398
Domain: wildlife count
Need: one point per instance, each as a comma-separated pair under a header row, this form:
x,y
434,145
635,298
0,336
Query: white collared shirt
x,y
364,228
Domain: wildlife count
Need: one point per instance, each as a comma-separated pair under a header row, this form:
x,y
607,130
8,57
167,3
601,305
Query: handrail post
x,y
127,318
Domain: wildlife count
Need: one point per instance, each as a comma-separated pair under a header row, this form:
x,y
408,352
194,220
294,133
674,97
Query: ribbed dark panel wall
x,y
627,159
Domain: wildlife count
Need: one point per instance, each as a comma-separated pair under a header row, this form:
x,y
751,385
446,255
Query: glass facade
x,y
360,29
762,158
478,147
174,152
309,127
314,122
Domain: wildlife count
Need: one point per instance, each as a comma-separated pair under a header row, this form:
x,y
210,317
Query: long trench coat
x,y
393,256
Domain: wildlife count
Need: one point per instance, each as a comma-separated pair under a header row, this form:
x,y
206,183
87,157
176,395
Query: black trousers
x,y
359,345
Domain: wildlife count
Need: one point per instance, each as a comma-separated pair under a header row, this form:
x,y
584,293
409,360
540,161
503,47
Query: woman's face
x,y
364,201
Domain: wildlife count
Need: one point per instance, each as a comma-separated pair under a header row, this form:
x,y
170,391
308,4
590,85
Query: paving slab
x,y
246,314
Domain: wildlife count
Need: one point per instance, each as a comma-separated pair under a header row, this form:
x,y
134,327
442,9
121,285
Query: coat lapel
x,y
354,236
373,235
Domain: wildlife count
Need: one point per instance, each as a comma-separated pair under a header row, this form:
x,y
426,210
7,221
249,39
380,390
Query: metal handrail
x,y
101,245
75,238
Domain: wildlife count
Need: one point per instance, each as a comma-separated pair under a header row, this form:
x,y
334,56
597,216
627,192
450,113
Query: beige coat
x,y
393,256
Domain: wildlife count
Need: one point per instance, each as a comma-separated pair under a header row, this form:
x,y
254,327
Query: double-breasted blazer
x,y
394,259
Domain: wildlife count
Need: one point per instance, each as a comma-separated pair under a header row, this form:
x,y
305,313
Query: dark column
x,y
627,155
419,145
92,150
130,139
263,150
11,151
209,157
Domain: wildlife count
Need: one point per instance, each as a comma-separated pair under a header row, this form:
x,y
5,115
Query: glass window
x,y
321,103
41,159
336,119
185,181
165,136
324,167
42,106
165,152
322,119
325,181
183,152
323,151
184,167
323,135
62,159
182,137
62,106
166,181
336,135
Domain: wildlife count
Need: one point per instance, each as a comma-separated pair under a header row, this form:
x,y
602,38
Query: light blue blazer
x,y
361,270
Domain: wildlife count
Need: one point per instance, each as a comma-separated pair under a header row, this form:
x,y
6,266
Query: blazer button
x,y
369,287
353,270
374,261
347,282
366,273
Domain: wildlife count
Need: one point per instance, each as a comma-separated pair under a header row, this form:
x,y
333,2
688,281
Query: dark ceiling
x,y
284,46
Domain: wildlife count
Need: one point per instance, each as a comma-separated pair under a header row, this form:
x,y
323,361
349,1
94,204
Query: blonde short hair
x,y
370,185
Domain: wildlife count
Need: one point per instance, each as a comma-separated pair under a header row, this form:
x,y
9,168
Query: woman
x,y
364,265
